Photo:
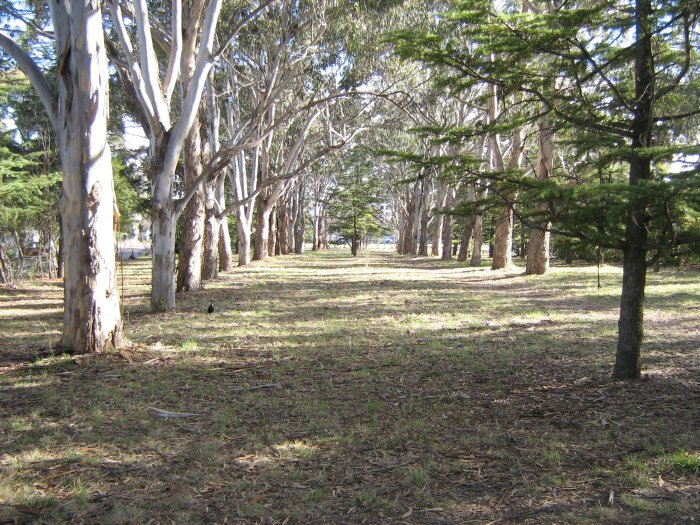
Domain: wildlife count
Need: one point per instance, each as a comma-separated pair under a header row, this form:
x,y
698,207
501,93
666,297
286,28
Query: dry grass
x,y
370,390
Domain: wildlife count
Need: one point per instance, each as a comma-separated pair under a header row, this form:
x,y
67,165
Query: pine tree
x,y
625,75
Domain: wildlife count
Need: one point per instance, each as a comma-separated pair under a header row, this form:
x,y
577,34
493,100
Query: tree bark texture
x,y
424,219
478,241
212,224
538,246
262,230
273,246
630,323
437,220
5,268
503,239
91,318
447,225
189,267
466,238
225,251
299,224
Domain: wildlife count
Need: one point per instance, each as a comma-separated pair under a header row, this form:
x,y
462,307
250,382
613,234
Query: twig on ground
x,y
256,387
167,414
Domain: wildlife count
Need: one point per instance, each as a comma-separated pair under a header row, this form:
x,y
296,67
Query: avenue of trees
x,y
533,127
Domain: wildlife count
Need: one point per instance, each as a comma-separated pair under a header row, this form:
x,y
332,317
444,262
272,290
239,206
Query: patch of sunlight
x,y
189,345
17,424
296,450
36,383
255,460
21,460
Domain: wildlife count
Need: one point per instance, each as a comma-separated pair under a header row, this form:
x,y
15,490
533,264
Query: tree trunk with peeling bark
x,y
503,239
212,225
78,113
91,318
538,246
262,230
466,238
189,267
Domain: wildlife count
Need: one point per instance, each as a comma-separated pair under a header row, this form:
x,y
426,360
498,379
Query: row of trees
x,y
611,89
573,118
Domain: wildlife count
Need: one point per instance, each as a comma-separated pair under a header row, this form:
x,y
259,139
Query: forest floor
x,y
378,389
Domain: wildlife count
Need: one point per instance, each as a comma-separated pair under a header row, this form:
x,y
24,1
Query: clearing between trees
x,y
378,389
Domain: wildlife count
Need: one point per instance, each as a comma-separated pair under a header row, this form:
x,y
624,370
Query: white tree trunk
x,y
437,221
225,251
447,225
91,318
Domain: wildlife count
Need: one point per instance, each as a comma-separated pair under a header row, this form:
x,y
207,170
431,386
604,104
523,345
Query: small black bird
x,y
210,310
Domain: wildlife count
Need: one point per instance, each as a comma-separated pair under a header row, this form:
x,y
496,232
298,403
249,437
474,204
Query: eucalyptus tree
x,y
191,53
626,74
265,76
77,107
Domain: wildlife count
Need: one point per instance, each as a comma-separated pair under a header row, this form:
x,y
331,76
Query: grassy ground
x,y
372,390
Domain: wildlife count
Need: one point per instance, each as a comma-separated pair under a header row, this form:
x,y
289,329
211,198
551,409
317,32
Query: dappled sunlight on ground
x,y
377,389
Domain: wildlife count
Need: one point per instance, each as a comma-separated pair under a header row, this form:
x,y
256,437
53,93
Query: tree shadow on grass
x,y
318,401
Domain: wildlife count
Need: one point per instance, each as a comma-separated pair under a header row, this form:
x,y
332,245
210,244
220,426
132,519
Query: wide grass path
x,y
377,389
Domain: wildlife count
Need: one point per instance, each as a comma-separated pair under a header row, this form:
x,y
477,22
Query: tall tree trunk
x,y
478,241
411,231
283,230
273,247
61,253
503,238
408,226
262,230
244,239
189,267
225,251
299,225
466,238
323,231
630,324
163,245
538,247
91,315
5,268
315,237
20,269
447,225
210,264
212,221
424,218
437,220
468,227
